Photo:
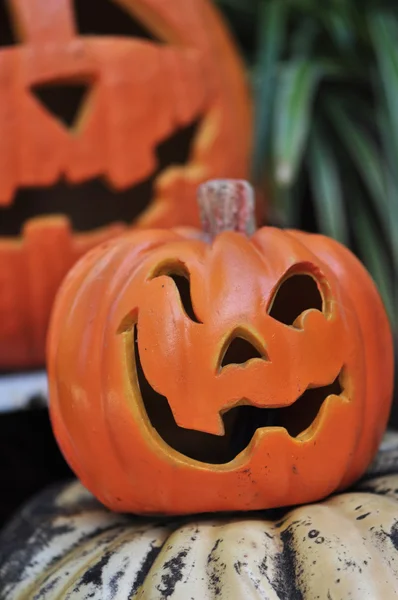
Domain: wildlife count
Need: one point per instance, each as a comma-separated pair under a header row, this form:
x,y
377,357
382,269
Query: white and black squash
x,y
65,545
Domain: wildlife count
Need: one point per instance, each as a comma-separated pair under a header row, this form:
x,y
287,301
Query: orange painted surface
x,y
142,92
98,408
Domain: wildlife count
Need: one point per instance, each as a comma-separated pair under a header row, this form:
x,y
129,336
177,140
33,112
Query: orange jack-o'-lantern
x,y
177,76
239,371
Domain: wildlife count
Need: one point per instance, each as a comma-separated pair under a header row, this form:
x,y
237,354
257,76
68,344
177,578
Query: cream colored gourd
x,y
64,545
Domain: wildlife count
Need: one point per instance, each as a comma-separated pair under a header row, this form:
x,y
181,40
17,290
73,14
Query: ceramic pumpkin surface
x,y
176,72
63,544
245,370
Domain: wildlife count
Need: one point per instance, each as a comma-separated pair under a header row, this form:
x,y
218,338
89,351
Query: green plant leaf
x,y
271,31
294,101
384,34
365,156
245,7
287,206
375,260
326,187
340,28
391,177
304,37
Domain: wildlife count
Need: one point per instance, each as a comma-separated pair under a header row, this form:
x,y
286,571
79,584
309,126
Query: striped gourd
x,y
65,545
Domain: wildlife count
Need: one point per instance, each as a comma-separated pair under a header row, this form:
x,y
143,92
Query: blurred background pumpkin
x,y
107,117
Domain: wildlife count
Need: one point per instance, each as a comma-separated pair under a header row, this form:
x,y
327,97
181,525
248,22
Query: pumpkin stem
x,y
227,205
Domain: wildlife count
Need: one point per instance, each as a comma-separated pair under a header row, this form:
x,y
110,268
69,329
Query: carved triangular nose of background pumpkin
x,y
64,101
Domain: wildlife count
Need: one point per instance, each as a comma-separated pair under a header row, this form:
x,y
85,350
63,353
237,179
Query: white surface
x,y
17,390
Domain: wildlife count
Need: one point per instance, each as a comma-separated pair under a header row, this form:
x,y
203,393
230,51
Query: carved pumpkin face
x,y
246,373
163,109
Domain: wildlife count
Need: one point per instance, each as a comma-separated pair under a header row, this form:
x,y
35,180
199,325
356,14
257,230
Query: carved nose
x,y
63,101
240,350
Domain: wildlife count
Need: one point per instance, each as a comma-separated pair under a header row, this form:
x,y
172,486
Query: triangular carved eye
x,y
109,18
297,293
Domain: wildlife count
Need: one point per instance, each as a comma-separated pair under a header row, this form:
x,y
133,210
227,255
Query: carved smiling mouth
x,y
240,422
93,204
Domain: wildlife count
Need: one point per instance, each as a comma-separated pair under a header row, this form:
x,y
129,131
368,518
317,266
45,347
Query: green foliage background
x,y
325,82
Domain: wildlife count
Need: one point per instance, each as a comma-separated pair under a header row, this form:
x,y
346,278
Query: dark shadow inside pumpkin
x,y
240,422
296,294
109,19
7,37
93,204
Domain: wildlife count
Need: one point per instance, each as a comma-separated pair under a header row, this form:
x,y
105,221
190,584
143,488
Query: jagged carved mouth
x,y
240,422
94,204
